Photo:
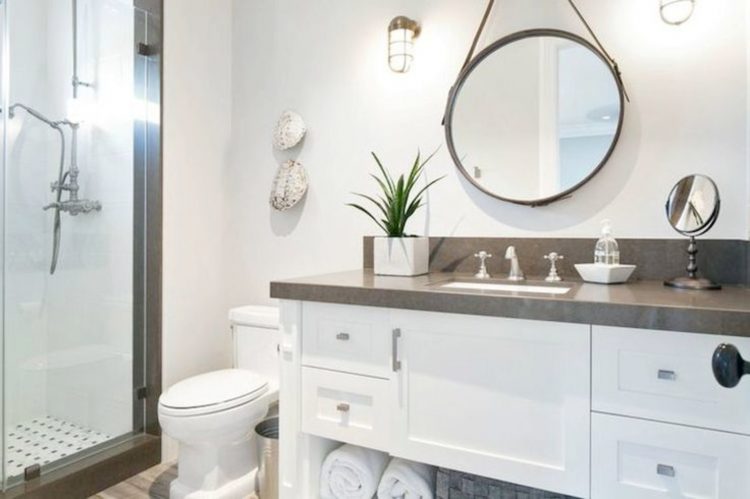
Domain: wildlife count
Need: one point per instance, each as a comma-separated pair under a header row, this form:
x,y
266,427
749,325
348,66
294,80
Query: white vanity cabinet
x,y
586,411
503,398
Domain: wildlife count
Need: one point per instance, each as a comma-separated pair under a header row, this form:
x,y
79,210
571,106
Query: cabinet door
x,y
636,459
502,398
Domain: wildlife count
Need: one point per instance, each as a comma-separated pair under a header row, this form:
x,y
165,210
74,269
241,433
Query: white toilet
x,y
213,415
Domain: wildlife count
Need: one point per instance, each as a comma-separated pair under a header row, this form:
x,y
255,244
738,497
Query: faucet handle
x,y
553,259
483,256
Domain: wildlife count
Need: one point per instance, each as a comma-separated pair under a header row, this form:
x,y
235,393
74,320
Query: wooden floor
x,y
151,484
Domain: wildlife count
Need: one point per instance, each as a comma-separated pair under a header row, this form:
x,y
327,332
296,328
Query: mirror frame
x,y
476,61
714,214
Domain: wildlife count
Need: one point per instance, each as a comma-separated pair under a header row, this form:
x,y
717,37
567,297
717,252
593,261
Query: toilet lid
x,y
215,388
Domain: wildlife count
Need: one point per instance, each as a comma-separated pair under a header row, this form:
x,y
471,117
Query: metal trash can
x,y
267,434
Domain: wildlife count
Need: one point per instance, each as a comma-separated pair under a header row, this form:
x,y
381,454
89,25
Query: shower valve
x,y
75,207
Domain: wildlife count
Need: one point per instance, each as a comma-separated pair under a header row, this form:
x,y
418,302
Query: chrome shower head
x,y
33,112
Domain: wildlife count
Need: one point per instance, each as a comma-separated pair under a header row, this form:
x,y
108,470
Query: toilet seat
x,y
212,392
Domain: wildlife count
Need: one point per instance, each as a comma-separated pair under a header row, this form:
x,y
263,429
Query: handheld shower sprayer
x,y
66,180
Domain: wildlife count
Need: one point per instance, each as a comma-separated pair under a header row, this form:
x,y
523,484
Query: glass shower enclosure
x,y
80,117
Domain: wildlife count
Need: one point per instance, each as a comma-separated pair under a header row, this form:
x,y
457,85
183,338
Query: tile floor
x,y
43,440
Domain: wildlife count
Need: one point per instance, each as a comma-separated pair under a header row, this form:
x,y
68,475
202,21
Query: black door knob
x,y
728,365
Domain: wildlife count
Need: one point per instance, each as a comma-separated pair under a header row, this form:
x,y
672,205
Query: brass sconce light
x,y
401,34
676,12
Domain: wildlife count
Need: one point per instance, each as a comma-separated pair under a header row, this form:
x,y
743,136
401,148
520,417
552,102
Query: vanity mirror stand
x,y
692,209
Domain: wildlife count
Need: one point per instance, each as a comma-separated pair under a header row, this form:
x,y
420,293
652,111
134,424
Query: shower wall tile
x,y
31,162
100,245
69,335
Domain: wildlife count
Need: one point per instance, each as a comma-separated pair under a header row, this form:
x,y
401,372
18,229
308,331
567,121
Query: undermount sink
x,y
503,287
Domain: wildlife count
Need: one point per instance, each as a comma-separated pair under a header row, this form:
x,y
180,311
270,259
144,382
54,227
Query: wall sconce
x,y
401,34
676,12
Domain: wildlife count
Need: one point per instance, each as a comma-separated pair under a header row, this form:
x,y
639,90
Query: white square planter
x,y
403,256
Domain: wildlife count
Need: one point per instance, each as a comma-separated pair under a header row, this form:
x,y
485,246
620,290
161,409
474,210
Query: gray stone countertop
x,y
640,304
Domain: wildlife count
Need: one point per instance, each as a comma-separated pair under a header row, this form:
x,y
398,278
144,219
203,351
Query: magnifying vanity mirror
x,y
692,209
534,116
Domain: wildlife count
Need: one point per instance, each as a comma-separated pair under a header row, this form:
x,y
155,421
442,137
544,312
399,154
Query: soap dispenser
x,y
607,252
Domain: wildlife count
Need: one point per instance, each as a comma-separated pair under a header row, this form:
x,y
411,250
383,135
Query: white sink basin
x,y
506,288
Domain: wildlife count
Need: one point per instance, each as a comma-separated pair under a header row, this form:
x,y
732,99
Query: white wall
x,y
327,60
196,99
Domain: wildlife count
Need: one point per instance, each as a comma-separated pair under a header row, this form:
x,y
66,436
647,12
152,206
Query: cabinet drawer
x,y
346,407
636,459
347,338
666,376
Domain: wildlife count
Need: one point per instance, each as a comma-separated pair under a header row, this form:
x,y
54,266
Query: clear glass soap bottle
x,y
607,252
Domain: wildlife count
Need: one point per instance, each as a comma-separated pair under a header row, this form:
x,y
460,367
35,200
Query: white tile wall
x,y
69,336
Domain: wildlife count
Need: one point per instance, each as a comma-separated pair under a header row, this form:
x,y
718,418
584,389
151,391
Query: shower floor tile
x,y
44,440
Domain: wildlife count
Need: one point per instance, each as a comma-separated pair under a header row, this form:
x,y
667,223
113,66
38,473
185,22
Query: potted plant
x,y
398,253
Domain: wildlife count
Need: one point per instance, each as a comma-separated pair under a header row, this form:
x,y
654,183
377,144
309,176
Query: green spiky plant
x,y
398,199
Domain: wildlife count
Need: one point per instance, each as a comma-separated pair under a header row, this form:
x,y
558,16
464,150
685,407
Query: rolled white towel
x,y
351,472
404,479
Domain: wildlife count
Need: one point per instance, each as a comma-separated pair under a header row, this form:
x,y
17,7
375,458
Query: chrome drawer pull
x,y
665,470
667,375
395,363
342,336
343,407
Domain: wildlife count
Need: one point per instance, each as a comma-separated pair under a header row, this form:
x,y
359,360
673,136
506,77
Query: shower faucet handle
x,y
50,206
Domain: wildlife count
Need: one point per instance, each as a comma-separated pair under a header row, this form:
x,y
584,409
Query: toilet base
x,y
243,487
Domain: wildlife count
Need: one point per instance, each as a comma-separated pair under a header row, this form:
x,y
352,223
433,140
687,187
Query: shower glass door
x,y
75,109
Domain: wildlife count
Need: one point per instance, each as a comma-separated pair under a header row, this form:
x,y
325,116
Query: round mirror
x,y
693,205
534,116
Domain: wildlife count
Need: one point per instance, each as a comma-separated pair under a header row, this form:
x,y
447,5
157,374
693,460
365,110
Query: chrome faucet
x,y
516,274
482,273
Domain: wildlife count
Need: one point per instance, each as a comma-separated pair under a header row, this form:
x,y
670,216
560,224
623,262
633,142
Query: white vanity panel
x,y
637,459
502,398
666,376
292,453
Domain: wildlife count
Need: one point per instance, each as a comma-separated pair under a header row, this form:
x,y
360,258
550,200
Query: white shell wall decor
x,y
289,186
289,131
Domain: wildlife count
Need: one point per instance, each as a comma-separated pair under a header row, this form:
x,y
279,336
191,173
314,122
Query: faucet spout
x,y
516,274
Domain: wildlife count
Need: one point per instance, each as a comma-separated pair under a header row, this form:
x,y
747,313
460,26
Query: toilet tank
x,y
255,334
